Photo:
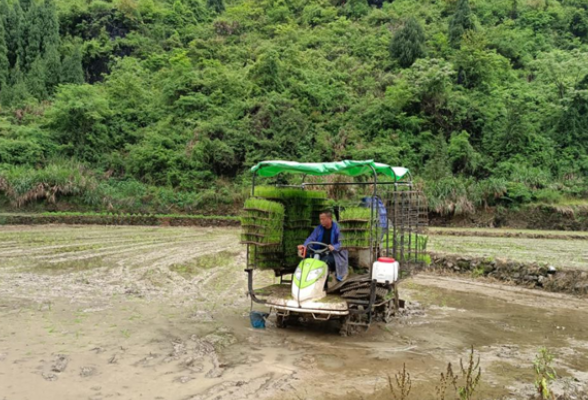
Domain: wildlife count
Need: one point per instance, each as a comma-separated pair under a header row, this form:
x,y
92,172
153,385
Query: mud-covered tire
x,y
344,330
281,321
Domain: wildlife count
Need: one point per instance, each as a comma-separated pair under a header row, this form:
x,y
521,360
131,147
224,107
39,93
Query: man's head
x,y
326,218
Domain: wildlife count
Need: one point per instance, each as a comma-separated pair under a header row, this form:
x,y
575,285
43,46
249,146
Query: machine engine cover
x,y
309,280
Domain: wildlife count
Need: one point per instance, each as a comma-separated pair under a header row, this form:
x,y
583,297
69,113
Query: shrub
x,y
519,192
548,196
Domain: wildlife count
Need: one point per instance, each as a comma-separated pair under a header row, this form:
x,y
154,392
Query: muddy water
x,y
505,326
128,348
135,329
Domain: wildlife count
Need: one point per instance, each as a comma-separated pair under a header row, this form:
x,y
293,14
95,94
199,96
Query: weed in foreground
x,y
471,375
400,383
544,373
448,380
463,386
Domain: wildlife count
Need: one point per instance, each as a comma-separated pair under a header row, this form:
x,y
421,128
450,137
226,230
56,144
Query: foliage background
x,y
162,106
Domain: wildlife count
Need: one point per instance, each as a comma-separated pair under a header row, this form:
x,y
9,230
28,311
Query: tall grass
x,y
456,195
66,185
22,185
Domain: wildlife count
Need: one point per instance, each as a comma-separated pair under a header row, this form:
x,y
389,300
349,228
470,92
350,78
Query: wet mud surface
x,y
162,313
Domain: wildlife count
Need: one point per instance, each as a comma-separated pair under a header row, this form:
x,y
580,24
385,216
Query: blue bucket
x,y
258,319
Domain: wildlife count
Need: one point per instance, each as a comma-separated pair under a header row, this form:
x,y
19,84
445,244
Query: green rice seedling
x,y
356,214
316,194
266,257
292,238
264,206
274,193
356,227
293,193
268,192
262,222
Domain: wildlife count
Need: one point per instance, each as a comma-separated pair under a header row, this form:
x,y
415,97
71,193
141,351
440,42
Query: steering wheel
x,y
319,251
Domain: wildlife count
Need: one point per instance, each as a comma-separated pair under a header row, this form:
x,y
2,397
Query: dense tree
x,y
462,155
217,6
13,28
71,68
579,24
514,10
266,71
52,68
50,22
408,43
4,65
18,94
79,120
186,96
461,21
356,8
33,34
36,79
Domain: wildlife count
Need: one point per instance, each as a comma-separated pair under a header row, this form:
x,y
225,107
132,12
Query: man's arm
x,y
314,236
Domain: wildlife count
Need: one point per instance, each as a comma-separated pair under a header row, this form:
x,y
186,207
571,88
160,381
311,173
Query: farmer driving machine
x,y
381,234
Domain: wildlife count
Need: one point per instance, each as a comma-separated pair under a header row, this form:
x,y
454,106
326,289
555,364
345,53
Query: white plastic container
x,y
385,270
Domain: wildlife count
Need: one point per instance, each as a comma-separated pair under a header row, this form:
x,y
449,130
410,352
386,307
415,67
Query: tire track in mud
x,y
141,270
19,248
113,250
41,252
259,387
119,243
70,233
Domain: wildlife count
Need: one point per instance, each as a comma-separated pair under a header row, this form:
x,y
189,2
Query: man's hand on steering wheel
x,y
325,247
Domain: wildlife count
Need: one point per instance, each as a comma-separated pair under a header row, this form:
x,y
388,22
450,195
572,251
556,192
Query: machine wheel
x,y
389,312
352,324
344,331
281,321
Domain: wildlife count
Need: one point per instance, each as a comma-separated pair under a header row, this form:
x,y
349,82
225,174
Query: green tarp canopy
x,y
347,167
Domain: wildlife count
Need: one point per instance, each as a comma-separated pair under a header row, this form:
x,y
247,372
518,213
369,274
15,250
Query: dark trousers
x,y
330,260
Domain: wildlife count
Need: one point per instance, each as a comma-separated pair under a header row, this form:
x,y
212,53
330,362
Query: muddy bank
x,y
542,217
531,275
137,220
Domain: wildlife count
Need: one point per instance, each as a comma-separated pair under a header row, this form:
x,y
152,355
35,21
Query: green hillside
x,y
154,105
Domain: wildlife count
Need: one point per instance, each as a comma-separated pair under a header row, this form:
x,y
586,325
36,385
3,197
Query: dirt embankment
x,y
542,217
532,275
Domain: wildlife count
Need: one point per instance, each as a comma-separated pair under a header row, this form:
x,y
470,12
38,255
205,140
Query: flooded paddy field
x,y
162,313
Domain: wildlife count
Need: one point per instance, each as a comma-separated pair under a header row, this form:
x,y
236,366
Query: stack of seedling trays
x,y
262,225
300,206
297,223
355,227
319,203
